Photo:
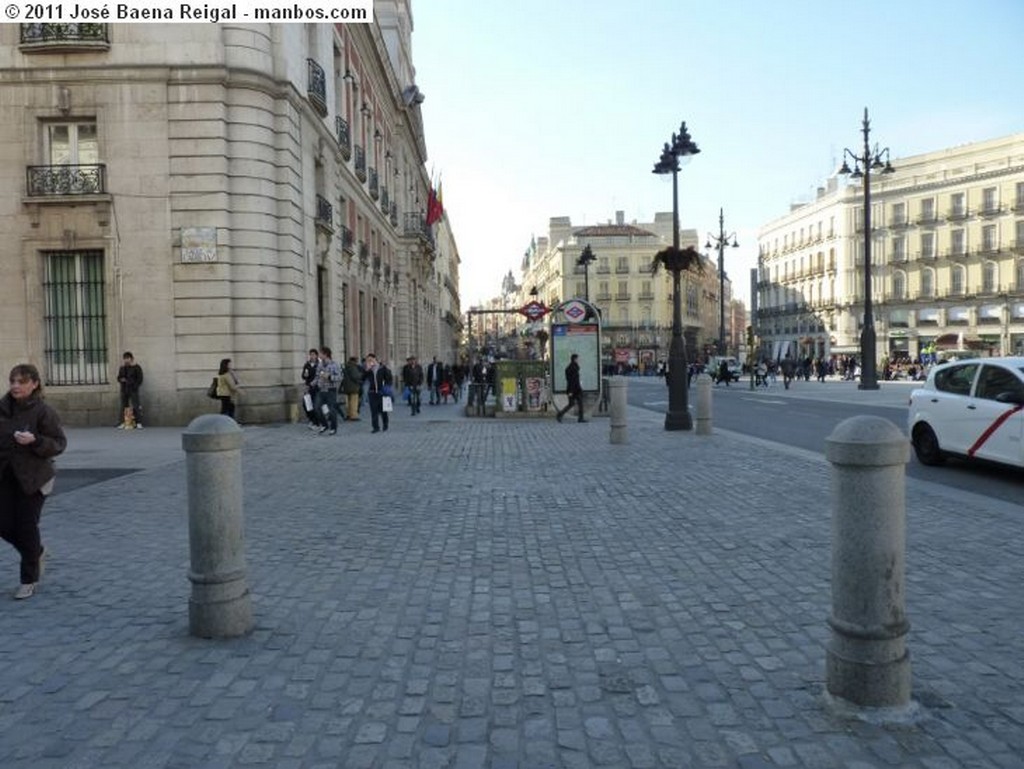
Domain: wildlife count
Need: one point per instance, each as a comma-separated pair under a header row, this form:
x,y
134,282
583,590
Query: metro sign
x,y
534,310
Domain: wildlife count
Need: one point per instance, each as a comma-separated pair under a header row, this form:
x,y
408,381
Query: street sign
x,y
534,310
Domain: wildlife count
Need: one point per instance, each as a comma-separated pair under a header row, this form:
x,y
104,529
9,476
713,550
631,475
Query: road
x,y
806,414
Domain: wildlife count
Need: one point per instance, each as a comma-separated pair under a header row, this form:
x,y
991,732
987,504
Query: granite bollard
x,y
867,662
219,606
618,388
702,421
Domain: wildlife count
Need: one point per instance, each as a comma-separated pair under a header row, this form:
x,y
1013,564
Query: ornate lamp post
x,y
674,260
585,259
870,159
720,241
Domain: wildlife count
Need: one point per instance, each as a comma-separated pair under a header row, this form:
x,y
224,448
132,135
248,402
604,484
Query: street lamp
x,y
674,260
584,260
870,160
720,241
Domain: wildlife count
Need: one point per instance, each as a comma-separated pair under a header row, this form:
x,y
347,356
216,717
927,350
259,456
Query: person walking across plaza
x,y
129,377
227,388
434,372
30,437
573,388
328,378
309,379
412,379
352,388
379,382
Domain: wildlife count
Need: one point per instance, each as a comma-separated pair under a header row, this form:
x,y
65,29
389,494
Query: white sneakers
x,y
25,591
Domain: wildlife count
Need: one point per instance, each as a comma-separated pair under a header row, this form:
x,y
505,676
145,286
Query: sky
x,y
541,108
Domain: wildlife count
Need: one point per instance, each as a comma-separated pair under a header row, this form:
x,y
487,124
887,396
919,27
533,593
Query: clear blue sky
x,y
540,108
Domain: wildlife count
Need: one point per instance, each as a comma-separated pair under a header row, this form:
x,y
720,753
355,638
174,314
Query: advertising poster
x,y
585,341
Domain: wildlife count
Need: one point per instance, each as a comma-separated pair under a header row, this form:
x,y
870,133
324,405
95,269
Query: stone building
x,y
636,305
197,192
947,259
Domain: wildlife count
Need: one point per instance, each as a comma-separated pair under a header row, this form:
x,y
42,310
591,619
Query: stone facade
x,y
947,259
199,192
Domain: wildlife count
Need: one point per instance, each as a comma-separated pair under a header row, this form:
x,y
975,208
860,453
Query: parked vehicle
x,y
714,365
970,408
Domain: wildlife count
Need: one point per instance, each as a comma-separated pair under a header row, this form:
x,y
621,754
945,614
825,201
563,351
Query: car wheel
x,y
926,446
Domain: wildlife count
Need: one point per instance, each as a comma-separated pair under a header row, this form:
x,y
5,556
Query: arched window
x,y
927,283
958,279
899,285
989,271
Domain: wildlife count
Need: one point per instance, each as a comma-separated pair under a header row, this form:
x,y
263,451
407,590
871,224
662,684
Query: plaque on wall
x,y
198,244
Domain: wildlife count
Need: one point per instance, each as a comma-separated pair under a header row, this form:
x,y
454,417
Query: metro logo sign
x,y
534,310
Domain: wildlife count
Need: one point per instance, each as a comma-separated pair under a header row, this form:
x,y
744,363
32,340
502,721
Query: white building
x,y
197,192
947,259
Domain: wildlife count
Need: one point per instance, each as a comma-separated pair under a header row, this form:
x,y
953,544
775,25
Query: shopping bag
x,y
386,404
307,402
406,394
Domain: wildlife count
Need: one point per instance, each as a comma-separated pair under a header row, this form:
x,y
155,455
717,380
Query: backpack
x,y
212,391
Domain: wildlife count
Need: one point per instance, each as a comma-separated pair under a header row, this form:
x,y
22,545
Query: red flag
x,y
432,213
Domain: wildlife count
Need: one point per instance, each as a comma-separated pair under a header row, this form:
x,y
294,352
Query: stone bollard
x,y
618,388
703,413
867,662
219,606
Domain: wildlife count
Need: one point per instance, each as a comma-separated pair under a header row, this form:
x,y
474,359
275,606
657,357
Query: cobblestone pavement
x,y
497,594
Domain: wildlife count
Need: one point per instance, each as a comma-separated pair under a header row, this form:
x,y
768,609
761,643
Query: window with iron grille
x,y
75,320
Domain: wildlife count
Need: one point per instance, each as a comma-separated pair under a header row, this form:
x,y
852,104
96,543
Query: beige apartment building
x,y
947,259
198,192
636,305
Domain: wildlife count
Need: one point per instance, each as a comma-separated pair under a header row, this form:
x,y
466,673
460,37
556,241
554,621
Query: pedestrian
x,y
434,371
309,379
30,437
352,388
379,384
724,375
573,388
227,388
412,381
129,376
328,379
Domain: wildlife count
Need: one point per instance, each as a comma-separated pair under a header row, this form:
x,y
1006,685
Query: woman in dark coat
x,y
30,437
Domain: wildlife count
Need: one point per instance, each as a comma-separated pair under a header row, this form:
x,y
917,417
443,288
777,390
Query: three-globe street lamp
x,y
870,159
720,241
585,259
674,260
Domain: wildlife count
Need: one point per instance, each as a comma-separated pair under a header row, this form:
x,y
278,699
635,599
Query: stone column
x,y
703,421
219,606
618,388
867,662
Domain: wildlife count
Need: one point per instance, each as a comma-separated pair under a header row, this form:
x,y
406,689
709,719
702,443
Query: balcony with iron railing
x,y
344,137
1018,205
363,250
646,296
360,162
990,209
385,200
926,218
324,214
603,296
65,38
374,183
348,240
66,180
622,296
957,214
393,215
416,226
899,222
316,87
603,269
622,269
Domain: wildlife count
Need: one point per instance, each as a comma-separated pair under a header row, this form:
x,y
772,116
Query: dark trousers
x,y
328,416
414,399
575,399
227,406
19,525
378,416
131,399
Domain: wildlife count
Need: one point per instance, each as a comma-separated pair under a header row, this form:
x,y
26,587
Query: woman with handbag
x,y
227,388
30,437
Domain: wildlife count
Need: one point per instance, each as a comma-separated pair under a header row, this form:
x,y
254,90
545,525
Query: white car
x,y
970,408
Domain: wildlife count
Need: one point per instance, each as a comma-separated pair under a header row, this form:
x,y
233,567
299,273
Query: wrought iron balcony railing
x,y
360,154
364,253
927,217
991,209
957,214
344,137
50,181
316,88
65,37
393,216
324,213
374,183
348,240
385,201
416,225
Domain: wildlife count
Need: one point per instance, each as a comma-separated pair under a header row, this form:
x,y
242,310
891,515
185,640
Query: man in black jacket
x,y
412,378
573,388
130,378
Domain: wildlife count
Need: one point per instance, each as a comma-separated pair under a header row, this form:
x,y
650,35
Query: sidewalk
x,y
493,593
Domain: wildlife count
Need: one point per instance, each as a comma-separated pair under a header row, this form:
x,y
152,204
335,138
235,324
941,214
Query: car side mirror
x,y
1011,397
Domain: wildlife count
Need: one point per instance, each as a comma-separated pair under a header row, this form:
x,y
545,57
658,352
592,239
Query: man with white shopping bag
x,y
328,375
379,392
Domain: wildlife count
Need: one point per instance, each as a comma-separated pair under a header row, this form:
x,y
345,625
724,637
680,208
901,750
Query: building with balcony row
x,y
947,259
196,192
636,305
